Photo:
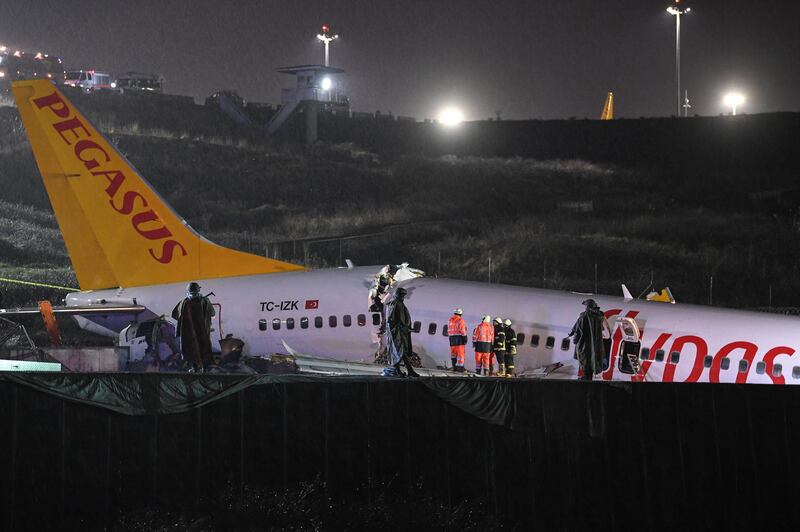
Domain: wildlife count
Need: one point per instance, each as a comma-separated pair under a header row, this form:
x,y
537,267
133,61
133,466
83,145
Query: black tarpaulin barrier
x,y
566,455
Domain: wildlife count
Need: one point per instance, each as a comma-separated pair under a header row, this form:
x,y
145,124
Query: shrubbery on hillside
x,y
443,214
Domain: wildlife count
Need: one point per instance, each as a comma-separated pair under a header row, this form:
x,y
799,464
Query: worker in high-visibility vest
x,y
498,348
457,333
482,339
511,348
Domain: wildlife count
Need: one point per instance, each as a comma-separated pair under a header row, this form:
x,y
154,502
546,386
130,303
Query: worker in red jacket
x,y
482,339
457,333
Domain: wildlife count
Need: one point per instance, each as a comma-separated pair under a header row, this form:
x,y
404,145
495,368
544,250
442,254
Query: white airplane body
x,y
131,251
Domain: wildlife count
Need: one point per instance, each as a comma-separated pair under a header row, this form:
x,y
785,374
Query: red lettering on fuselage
x,y
750,350
769,362
701,350
144,221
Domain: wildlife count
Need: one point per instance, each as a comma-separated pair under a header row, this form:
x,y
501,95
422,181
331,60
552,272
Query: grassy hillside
x,y
445,214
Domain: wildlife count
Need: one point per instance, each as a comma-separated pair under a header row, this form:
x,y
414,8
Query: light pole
x,y
733,100
675,9
326,38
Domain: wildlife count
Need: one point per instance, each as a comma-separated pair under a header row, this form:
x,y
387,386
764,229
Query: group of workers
x,y
491,341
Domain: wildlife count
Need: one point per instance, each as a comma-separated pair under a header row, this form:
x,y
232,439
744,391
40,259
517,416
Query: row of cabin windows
x,y
550,341
319,322
724,364
416,327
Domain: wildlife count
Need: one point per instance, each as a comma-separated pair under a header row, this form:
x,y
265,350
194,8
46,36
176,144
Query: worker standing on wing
x,y
511,348
194,315
399,332
482,338
498,348
457,333
587,335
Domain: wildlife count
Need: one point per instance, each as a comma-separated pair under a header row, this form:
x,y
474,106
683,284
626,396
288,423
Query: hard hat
x,y
498,319
487,319
508,322
458,311
193,288
591,303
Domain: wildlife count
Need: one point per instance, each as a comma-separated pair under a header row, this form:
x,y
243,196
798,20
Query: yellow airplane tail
x,y
118,230
608,108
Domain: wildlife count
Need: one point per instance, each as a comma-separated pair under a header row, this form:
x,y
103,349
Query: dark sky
x,y
530,59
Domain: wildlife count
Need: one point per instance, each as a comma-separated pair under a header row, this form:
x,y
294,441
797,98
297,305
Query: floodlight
x,y
451,117
733,100
326,84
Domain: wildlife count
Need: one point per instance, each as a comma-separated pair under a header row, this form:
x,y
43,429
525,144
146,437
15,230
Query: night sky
x,y
529,59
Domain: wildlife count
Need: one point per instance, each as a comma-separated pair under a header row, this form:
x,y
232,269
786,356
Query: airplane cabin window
x,y
444,330
660,355
304,323
551,341
432,328
347,321
707,361
796,372
416,327
777,369
674,357
535,340
743,365
318,322
332,321
276,324
520,338
725,363
565,344
761,367
262,325
362,320
645,354
290,323
376,319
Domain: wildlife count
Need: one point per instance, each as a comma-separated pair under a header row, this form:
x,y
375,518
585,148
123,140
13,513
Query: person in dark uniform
x,y
587,335
511,348
498,348
400,334
194,315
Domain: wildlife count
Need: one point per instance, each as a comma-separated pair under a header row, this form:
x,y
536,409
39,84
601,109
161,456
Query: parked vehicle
x,y
88,80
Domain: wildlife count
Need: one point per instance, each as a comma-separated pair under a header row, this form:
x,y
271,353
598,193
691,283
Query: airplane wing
x,y
86,311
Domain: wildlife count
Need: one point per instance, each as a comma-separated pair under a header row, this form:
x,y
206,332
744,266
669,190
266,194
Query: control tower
x,y
315,90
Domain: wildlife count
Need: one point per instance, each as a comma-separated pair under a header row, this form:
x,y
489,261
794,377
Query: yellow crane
x,y
608,108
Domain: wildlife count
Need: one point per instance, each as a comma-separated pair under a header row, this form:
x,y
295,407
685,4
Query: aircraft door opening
x,y
628,350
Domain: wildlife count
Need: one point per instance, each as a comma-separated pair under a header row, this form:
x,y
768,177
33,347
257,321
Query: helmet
x,y
400,292
508,322
498,319
193,288
487,319
591,303
458,311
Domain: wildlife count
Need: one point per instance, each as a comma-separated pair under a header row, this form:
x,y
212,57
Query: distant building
x,y
315,90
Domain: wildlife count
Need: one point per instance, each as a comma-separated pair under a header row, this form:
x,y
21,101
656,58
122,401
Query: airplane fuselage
x,y
325,313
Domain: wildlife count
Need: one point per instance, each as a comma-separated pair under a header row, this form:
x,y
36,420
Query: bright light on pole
x,y
451,117
733,100
326,84
326,38
677,10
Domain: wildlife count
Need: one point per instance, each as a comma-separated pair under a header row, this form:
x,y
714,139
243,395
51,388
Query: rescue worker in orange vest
x,y
498,348
482,339
511,348
457,333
